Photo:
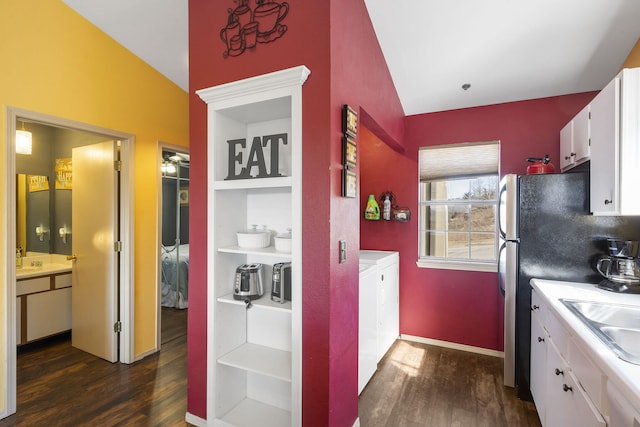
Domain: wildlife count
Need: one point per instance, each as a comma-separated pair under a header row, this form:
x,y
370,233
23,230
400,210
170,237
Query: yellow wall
x,y
633,60
57,63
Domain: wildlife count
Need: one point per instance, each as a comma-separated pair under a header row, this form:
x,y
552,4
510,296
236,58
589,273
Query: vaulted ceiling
x,y
505,50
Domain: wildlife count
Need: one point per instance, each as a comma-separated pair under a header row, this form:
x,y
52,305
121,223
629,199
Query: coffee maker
x,y
621,269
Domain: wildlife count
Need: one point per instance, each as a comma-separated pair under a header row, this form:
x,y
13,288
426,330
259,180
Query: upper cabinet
x,y
607,132
615,146
575,142
254,173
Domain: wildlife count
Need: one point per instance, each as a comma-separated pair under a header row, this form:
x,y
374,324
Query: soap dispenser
x,y
372,210
18,257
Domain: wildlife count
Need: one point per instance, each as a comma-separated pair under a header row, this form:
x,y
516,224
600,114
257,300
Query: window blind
x,y
459,160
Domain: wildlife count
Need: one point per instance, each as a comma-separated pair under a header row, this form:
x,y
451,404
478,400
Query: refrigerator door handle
x,y
502,205
501,276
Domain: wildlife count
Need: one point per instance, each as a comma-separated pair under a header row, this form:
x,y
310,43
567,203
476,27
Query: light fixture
x,y
169,168
23,141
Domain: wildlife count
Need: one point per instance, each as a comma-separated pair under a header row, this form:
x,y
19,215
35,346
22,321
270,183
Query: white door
x,y
94,292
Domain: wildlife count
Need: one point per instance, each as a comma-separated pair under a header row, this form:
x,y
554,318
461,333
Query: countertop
x,y
28,272
624,375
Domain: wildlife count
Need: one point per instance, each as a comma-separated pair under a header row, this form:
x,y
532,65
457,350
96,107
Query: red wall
x,y
455,306
339,47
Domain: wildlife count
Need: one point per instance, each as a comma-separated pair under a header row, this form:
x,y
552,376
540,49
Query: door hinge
x,y
117,246
117,327
117,165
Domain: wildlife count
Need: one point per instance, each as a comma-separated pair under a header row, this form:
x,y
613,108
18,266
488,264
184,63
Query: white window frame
x,y
450,263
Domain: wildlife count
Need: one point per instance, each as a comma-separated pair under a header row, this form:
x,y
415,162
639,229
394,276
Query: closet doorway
x,y
173,286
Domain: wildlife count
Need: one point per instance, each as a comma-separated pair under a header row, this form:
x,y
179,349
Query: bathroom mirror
x,y
32,213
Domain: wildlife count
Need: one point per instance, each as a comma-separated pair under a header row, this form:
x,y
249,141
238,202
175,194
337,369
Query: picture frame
x,y
349,153
349,121
349,184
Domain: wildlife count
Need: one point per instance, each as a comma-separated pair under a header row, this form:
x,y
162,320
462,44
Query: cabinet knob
x,y
608,202
540,339
559,372
567,157
567,388
535,307
573,154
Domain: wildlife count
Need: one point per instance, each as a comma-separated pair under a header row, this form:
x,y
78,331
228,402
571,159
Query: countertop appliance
x,y
281,282
621,269
546,232
248,282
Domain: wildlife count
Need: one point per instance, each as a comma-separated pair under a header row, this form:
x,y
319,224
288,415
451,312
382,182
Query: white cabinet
x,y
575,143
388,297
43,307
565,391
538,377
623,414
615,146
367,325
254,169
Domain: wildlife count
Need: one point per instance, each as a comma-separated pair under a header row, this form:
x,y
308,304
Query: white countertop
x,y
624,375
28,272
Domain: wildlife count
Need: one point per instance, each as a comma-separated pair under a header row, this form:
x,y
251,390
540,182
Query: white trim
x,y
491,267
127,232
160,147
145,354
194,420
453,345
356,423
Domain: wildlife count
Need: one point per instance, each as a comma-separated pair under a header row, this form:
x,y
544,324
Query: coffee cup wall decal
x,y
247,27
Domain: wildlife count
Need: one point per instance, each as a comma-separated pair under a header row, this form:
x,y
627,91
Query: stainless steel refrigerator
x,y
546,232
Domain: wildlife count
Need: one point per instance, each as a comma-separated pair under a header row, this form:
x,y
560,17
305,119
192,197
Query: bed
x,y
175,276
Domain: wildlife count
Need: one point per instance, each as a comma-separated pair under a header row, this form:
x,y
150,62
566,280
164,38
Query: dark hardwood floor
x,y
59,385
423,385
415,385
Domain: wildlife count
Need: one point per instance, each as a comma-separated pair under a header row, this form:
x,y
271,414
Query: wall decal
x,y
247,27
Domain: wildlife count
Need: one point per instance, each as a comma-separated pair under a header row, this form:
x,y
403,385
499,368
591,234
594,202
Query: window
x,y
458,206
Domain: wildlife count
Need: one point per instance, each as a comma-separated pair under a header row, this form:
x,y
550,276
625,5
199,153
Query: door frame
x,y
126,229
161,146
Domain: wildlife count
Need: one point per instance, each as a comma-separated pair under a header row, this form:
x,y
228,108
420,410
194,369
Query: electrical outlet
x,y
343,251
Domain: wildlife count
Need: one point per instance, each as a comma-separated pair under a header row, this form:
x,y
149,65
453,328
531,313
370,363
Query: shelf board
x,y
262,360
250,413
264,302
240,184
268,251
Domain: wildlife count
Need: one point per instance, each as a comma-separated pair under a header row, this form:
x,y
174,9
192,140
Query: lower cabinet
x,y
367,326
387,295
558,390
43,307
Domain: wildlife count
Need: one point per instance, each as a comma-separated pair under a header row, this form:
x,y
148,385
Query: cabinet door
x,y
581,136
566,146
556,372
579,410
605,117
538,366
388,324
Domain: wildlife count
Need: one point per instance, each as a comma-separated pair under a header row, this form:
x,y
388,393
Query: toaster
x,y
281,282
248,282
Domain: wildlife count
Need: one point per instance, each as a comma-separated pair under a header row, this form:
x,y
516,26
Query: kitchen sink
x,y
617,325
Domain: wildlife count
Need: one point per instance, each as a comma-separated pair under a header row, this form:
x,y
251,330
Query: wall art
x,y
349,121
248,27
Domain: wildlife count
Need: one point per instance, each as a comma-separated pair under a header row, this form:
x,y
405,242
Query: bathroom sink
x,y
617,325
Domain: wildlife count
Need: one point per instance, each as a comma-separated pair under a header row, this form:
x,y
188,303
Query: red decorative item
x,y
540,165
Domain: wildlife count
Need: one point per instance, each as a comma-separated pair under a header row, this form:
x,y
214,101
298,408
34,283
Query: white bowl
x,y
252,239
283,242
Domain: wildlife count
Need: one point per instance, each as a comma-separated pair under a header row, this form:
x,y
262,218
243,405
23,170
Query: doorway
x,y
74,134
173,277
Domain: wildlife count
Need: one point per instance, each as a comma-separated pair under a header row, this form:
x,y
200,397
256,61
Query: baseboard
x,y
453,345
195,421
145,354
357,422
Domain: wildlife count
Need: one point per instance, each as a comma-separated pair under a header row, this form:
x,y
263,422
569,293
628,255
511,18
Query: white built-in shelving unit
x,y
254,353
